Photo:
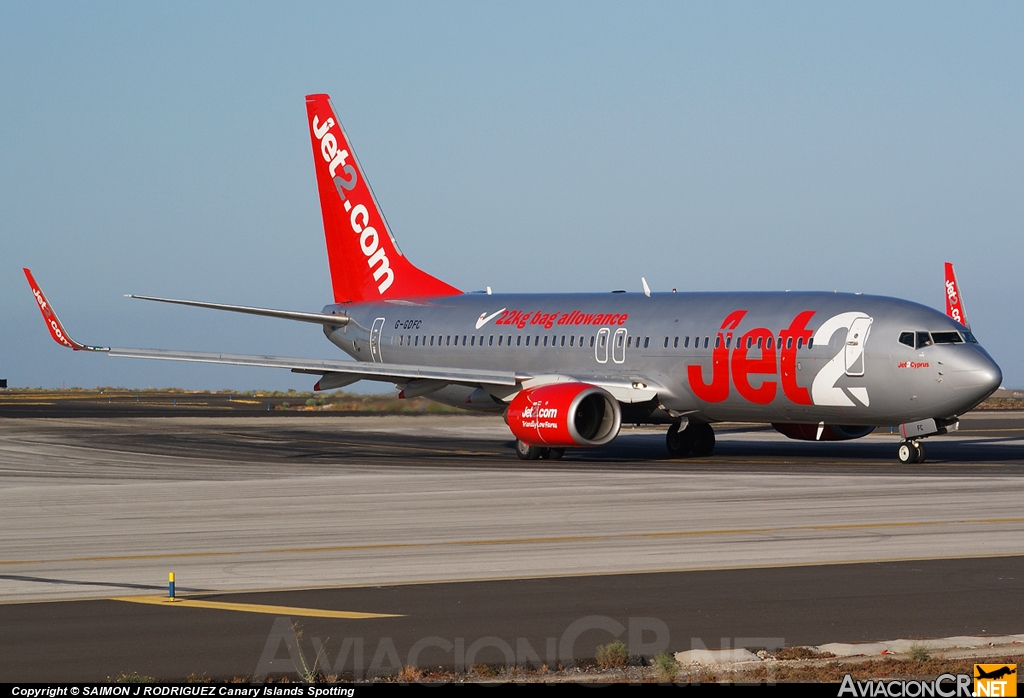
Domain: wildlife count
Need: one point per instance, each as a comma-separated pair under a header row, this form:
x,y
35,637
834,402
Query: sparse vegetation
x,y
666,666
410,674
614,655
307,672
823,668
919,653
131,677
801,653
293,401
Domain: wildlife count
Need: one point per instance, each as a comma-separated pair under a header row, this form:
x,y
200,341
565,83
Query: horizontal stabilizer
x,y
318,318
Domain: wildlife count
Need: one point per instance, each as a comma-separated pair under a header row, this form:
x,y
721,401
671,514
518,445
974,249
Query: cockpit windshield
x,y
919,340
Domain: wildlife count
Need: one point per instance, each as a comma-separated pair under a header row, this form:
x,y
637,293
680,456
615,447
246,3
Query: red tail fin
x,y
366,263
954,300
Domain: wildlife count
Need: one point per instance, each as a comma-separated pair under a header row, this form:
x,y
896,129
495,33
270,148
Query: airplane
x,y
567,370
995,673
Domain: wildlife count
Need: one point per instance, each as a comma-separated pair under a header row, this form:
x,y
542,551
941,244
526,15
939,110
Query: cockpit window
x,y
917,340
947,338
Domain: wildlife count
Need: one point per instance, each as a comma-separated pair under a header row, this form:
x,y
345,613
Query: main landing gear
x,y
527,452
911,452
694,439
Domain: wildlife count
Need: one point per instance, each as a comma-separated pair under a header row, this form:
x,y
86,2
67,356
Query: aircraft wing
x,y
392,373
340,372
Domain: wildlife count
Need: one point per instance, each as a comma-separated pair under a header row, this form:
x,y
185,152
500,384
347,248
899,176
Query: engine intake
x,y
564,414
830,432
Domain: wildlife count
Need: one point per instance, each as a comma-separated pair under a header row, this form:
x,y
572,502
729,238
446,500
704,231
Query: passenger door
x,y
375,332
855,340
619,346
601,346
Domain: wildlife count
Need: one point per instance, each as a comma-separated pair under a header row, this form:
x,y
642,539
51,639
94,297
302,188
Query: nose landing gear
x,y
911,452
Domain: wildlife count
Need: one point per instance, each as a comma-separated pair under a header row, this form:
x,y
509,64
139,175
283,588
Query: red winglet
x,y
954,300
57,331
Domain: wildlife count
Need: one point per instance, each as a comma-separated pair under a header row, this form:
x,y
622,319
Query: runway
x,y
435,508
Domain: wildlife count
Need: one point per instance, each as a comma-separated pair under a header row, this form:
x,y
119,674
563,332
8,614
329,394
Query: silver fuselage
x,y
692,346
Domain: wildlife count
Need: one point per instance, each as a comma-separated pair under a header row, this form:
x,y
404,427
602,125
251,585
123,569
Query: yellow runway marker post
x,y
257,608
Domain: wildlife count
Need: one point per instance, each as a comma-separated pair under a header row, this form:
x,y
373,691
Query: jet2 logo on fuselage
x,y
735,359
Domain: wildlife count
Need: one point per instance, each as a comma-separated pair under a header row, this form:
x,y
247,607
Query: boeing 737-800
x,y
566,370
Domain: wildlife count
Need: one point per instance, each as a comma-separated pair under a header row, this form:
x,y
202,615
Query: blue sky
x,y
162,149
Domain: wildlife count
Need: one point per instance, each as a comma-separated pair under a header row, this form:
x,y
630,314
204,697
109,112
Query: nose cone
x,y
975,375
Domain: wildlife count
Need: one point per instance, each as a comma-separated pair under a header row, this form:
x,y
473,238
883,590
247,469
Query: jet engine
x,y
829,432
564,414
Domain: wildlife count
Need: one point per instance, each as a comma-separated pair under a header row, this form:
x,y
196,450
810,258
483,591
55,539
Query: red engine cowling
x,y
830,432
564,414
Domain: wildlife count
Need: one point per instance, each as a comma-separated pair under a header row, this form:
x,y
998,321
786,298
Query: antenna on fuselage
x,y
647,289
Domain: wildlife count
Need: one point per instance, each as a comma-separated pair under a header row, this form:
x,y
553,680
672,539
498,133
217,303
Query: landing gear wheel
x,y
553,453
920,453
909,453
703,439
527,452
679,442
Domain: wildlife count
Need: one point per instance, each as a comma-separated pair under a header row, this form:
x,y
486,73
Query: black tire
x,y
703,439
908,453
554,453
527,452
920,454
679,442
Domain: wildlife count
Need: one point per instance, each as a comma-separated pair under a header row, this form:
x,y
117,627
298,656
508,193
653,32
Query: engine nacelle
x,y
564,414
830,432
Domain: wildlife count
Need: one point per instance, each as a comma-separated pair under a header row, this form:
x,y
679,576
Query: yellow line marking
x,y
526,540
550,575
254,608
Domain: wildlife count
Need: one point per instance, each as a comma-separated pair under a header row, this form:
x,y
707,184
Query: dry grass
x,y
834,671
614,655
801,653
409,674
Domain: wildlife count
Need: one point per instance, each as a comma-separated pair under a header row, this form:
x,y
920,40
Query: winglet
x,y
954,299
57,331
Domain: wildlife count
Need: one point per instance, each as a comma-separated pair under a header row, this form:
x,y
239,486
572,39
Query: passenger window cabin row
x,y
633,342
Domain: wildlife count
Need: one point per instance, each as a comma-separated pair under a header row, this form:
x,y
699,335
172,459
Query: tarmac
x,y
406,528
